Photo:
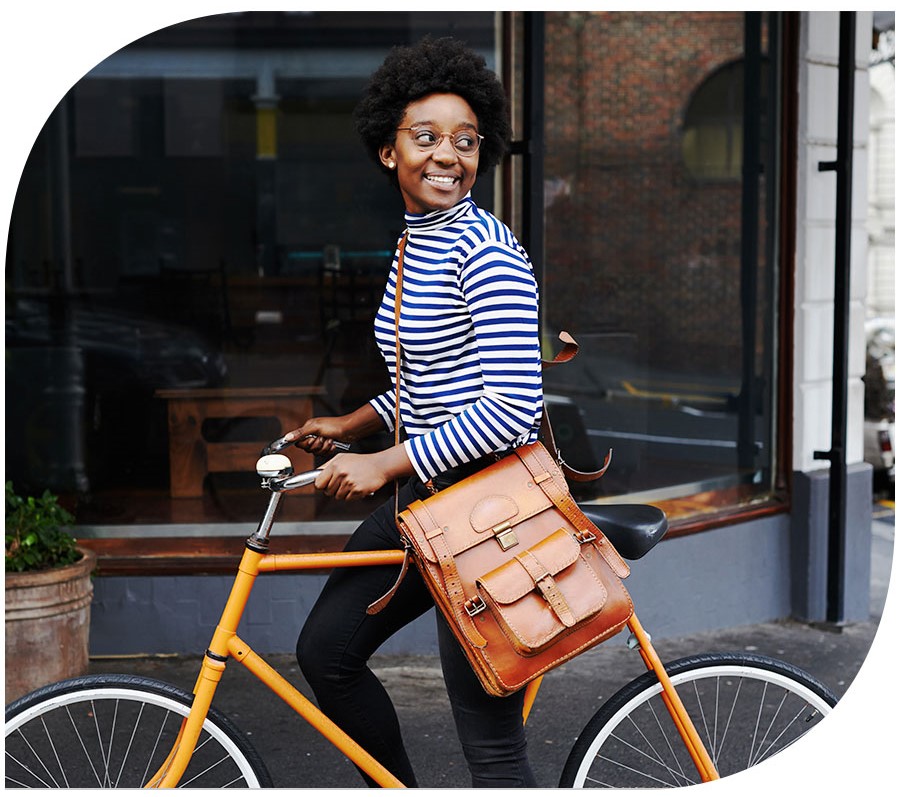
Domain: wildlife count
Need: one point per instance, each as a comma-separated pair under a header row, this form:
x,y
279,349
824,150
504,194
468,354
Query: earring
x,y
391,164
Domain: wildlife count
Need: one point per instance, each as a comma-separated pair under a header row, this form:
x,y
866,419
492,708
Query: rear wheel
x,y
746,708
115,732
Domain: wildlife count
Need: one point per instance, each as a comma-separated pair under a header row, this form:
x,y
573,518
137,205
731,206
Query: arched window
x,y
712,135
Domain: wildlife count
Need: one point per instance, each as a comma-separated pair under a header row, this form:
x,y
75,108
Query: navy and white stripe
x,y
471,366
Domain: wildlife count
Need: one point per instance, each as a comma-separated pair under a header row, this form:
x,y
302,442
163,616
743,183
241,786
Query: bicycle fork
x,y
685,726
683,723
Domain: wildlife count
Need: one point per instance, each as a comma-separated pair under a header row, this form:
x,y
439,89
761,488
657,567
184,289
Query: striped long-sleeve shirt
x,y
470,381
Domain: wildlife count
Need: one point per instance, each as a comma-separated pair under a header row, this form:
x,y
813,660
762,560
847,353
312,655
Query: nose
x,y
444,151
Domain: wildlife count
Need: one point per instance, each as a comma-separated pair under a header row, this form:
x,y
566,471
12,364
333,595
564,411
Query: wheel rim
x,y
744,714
114,737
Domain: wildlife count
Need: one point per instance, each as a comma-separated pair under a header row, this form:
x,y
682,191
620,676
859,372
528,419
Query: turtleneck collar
x,y
418,222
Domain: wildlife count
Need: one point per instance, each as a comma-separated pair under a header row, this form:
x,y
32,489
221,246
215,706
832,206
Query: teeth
x,y
442,180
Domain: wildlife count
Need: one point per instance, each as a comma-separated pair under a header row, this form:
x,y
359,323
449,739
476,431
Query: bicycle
x,y
695,719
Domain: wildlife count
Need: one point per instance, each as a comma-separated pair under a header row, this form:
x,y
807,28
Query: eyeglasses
x,y
465,142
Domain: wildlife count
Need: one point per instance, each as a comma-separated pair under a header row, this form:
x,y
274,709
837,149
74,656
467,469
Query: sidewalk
x,y
297,757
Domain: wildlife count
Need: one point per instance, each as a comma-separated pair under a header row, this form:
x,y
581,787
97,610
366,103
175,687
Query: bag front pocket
x,y
543,592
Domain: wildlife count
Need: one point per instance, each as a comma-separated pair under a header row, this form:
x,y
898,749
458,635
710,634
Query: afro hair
x,y
433,66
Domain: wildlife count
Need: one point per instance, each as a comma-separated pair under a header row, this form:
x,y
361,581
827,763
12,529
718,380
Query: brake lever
x,y
282,442
275,446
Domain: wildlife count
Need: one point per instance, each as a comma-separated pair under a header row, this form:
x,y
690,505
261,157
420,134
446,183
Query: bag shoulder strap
x,y
531,457
568,352
378,605
453,586
398,298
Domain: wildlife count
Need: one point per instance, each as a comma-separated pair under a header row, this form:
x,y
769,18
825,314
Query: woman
x,y
433,118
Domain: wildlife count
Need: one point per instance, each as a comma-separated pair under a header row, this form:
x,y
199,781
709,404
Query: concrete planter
x,y
48,618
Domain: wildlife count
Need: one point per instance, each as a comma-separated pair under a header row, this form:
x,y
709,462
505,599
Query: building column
x,y
814,304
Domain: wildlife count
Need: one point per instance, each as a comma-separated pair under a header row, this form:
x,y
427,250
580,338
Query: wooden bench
x,y
192,456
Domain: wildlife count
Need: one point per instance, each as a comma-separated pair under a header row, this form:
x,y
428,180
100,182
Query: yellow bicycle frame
x,y
226,643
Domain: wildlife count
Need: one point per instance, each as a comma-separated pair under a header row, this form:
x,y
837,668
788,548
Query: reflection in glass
x,y
199,234
664,279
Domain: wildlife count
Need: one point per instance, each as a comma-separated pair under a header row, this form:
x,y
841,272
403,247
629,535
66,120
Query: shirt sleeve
x,y
384,406
500,291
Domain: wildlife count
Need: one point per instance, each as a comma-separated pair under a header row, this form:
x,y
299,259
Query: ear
x,y
388,156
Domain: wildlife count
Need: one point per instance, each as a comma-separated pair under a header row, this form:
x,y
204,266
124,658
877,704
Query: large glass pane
x,y
659,258
197,248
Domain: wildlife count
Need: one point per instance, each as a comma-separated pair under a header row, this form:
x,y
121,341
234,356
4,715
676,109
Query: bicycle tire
x,y
745,707
115,731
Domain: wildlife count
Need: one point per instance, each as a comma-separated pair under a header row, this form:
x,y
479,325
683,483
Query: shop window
x,y
655,263
197,249
215,266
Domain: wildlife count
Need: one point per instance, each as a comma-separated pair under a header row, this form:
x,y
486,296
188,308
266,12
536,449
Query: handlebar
x,y
293,482
278,472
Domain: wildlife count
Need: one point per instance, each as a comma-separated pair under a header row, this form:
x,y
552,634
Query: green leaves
x,y
35,534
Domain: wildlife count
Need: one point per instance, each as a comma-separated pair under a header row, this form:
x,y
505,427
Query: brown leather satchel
x,y
524,579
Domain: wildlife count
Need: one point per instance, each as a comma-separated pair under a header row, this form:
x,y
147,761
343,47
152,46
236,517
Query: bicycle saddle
x,y
633,529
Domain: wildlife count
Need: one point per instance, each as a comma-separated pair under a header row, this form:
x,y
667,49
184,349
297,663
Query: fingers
x,y
310,440
346,478
318,436
335,485
316,444
321,443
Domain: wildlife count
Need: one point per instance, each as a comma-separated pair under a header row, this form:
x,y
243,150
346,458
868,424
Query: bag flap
x,y
493,510
511,581
468,511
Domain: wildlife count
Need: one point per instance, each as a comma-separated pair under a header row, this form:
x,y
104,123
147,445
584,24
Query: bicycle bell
x,y
272,466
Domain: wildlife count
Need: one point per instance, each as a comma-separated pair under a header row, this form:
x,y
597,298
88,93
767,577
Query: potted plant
x,y
48,594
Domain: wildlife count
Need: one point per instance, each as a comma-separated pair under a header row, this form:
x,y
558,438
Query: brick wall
x,y
634,243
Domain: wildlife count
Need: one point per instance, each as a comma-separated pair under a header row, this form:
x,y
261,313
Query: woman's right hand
x,y
317,435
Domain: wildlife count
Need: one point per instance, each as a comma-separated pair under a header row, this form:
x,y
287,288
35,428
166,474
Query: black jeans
x,y
339,637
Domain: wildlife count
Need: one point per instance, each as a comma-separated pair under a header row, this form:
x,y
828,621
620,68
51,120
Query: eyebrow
x,y
429,123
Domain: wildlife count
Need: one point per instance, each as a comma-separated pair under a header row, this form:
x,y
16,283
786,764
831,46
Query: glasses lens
x,y
425,138
465,143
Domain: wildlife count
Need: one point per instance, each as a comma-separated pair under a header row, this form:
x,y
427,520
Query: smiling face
x,y
439,178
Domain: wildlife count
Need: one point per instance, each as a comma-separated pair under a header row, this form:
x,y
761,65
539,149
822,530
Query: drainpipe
x,y
837,455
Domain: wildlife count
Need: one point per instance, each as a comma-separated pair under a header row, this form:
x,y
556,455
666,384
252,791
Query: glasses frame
x,y
440,137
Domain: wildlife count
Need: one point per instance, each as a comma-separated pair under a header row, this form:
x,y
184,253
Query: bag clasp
x,y
505,536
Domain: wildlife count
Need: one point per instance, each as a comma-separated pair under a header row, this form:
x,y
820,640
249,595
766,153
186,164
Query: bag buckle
x,y
505,536
474,606
584,535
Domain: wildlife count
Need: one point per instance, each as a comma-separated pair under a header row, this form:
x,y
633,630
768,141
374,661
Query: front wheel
x,y
746,708
115,732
